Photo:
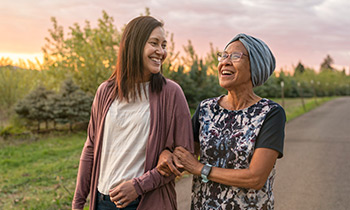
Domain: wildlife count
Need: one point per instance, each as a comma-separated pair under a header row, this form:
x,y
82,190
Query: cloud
x,y
305,30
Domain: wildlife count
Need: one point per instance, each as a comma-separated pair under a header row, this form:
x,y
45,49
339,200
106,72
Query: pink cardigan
x,y
170,127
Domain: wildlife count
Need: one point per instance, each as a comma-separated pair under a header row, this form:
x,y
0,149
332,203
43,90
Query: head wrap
x,y
262,61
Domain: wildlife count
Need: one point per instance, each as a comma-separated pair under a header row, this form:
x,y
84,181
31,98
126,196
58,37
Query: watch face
x,y
206,170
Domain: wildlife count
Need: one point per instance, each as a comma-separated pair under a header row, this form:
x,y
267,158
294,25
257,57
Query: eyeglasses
x,y
234,57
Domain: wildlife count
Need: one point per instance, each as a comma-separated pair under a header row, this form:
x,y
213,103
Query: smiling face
x,y
154,52
235,75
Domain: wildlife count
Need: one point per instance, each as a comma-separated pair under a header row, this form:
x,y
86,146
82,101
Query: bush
x,y
13,130
71,105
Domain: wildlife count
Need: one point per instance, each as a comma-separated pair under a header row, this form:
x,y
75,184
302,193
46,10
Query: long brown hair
x,y
129,70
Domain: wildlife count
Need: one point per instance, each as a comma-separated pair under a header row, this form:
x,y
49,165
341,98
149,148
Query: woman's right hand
x,y
187,161
166,164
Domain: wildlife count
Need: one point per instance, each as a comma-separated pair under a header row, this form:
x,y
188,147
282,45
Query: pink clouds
x,y
295,30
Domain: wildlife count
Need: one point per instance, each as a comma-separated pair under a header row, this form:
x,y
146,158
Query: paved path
x,y
315,170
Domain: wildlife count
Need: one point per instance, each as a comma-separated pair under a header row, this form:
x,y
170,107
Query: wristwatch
x,y
205,172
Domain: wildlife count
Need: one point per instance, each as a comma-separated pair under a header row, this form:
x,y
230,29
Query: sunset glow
x,y
16,57
23,60
294,30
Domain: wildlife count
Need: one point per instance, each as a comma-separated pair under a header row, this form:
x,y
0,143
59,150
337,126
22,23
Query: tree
x,y
6,61
327,63
35,106
88,55
72,105
299,69
211,60
15,83
190,57
270,89
196,83
170,64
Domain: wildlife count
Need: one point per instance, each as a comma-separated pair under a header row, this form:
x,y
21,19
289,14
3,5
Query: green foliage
x,y
87,54
312,84
271,89
196,83
71,105
299,69
35,106
327,63
170,64
12,130
211,60
15,83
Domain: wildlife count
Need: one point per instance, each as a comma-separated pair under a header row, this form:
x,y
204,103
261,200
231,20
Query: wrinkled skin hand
x,y
124,193
187,161
166,164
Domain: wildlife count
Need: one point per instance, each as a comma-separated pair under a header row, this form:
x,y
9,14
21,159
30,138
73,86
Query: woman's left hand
x,y
188,161
166,164
123,194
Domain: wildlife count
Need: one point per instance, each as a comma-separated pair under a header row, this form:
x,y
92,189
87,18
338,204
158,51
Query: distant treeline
x,y
85,57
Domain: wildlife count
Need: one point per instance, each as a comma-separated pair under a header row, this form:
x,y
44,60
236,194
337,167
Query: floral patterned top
x,y
228,139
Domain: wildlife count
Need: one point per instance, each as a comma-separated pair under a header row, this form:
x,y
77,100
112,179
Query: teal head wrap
x,y
262,61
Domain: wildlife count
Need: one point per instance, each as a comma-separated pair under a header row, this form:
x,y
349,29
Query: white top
x,y
125,136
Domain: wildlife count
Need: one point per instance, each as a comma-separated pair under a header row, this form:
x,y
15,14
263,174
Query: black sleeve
x,y
196,125
271,134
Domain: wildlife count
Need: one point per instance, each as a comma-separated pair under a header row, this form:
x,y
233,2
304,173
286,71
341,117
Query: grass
x,y
41,174
294,108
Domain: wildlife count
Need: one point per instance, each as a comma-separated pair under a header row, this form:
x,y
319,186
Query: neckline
x,y
238,110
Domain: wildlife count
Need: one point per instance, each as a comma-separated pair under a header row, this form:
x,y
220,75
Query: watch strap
x,y
205,172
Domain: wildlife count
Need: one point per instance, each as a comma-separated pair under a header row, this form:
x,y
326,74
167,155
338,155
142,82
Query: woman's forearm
x,y
254,177
244,178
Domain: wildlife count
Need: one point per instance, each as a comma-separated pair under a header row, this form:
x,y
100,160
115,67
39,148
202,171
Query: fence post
x,y
314,90
282,93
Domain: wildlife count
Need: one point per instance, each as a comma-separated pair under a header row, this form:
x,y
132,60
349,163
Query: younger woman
x,y
135,115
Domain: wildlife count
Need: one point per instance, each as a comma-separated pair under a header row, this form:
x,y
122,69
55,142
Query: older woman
x,y
240,135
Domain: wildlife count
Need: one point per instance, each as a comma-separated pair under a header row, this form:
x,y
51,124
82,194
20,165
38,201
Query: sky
x,y
303,31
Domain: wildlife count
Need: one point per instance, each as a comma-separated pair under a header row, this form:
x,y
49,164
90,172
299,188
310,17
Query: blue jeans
x,y
104,203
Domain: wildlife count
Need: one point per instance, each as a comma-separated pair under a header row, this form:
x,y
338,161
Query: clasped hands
x,y
168,163
171,163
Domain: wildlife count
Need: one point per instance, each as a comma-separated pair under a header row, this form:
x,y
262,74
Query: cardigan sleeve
x,y
86,159
150,180
179,134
